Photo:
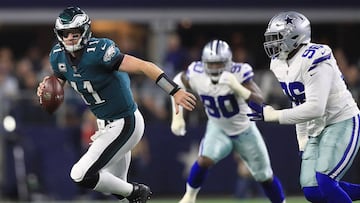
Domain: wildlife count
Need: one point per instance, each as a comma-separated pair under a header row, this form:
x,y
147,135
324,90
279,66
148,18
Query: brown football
x,y
52,95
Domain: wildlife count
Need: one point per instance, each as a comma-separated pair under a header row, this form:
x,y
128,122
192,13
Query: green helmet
x,y
73,18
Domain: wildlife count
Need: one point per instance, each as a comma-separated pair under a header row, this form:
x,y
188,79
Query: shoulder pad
x,y
316,54
99,43
194,68
102,49
243,71
56,49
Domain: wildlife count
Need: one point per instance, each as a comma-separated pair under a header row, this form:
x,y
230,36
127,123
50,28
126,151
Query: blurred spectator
x,y
8,82
177,57
352,79
45,68
140,159
33,53
341,59
28,105
26,74
88,128
240,51
152,103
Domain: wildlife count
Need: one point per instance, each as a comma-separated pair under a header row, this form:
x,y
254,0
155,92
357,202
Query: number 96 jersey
x,y
315,85
223,108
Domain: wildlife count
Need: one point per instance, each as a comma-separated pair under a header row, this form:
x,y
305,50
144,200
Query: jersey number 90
x,y
226,106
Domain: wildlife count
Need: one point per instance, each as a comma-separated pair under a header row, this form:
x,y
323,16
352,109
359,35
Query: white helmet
x,y
216,51
73,18
285,32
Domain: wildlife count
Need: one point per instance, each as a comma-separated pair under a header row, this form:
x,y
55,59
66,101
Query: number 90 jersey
x,y
95,76
223,108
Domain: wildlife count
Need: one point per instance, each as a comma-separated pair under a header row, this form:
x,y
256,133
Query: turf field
x,y
173,200
230,200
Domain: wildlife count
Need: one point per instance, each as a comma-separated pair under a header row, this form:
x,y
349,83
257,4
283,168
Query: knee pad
x,y
313,194
77,173
84,179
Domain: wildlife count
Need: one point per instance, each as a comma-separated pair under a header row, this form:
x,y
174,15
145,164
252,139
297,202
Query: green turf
x,y
230,200
173,200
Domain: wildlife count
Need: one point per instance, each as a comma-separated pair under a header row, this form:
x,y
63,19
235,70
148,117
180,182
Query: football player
x,y
323,109
224,87
98,71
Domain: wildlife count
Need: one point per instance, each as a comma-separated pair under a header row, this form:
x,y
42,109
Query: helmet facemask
x,y
215,69
216,58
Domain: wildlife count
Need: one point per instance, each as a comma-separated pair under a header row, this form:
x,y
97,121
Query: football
x,y
52,95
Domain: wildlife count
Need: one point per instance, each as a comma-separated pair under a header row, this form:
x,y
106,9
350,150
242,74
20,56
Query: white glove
x,y
270,114
177,122
229,79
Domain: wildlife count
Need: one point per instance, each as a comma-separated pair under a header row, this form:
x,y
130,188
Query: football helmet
x,y
69,19
285,32
216,57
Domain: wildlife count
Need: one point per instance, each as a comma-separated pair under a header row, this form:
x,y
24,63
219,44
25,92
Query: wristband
x,y
167,85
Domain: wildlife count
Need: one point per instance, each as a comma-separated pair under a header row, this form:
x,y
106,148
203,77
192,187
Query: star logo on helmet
x,y
289,20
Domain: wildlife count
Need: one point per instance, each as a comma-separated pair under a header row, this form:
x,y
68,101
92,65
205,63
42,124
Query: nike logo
x,y
312,74
103,47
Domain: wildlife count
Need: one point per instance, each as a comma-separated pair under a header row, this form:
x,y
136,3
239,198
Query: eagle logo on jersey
x,y
109,53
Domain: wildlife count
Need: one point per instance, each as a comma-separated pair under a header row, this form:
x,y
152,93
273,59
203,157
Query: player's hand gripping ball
x,y
52,95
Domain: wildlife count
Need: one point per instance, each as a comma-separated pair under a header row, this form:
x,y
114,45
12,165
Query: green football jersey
x,y
95,76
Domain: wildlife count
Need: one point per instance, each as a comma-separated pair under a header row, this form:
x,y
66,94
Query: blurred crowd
x,y
20,75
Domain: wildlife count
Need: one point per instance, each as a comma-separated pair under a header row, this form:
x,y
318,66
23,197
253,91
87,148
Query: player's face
x,y
215,67
71,36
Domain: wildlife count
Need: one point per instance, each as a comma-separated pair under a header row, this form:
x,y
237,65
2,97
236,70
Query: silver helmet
x,y
73,18
285,32
216,57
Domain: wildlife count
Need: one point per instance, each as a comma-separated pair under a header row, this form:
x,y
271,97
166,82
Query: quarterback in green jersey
x,y
98,71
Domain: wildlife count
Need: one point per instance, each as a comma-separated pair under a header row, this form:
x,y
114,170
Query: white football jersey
x,y
315,85
223,108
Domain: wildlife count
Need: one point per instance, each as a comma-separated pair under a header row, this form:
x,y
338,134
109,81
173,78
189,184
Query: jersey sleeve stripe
x,y
312,67
248,74
247,79
321,59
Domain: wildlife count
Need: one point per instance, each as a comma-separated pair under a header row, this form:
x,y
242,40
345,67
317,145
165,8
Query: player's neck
x,y
293,52
75,54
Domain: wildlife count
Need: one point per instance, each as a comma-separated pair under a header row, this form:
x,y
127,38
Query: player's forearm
x,y
152,71
256,94
302,113
240,90
256,97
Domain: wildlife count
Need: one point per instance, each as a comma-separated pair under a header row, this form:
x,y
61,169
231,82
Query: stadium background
x,y
36,158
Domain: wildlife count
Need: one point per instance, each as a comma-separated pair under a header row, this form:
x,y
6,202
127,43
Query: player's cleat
x,y
140,194
188,199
